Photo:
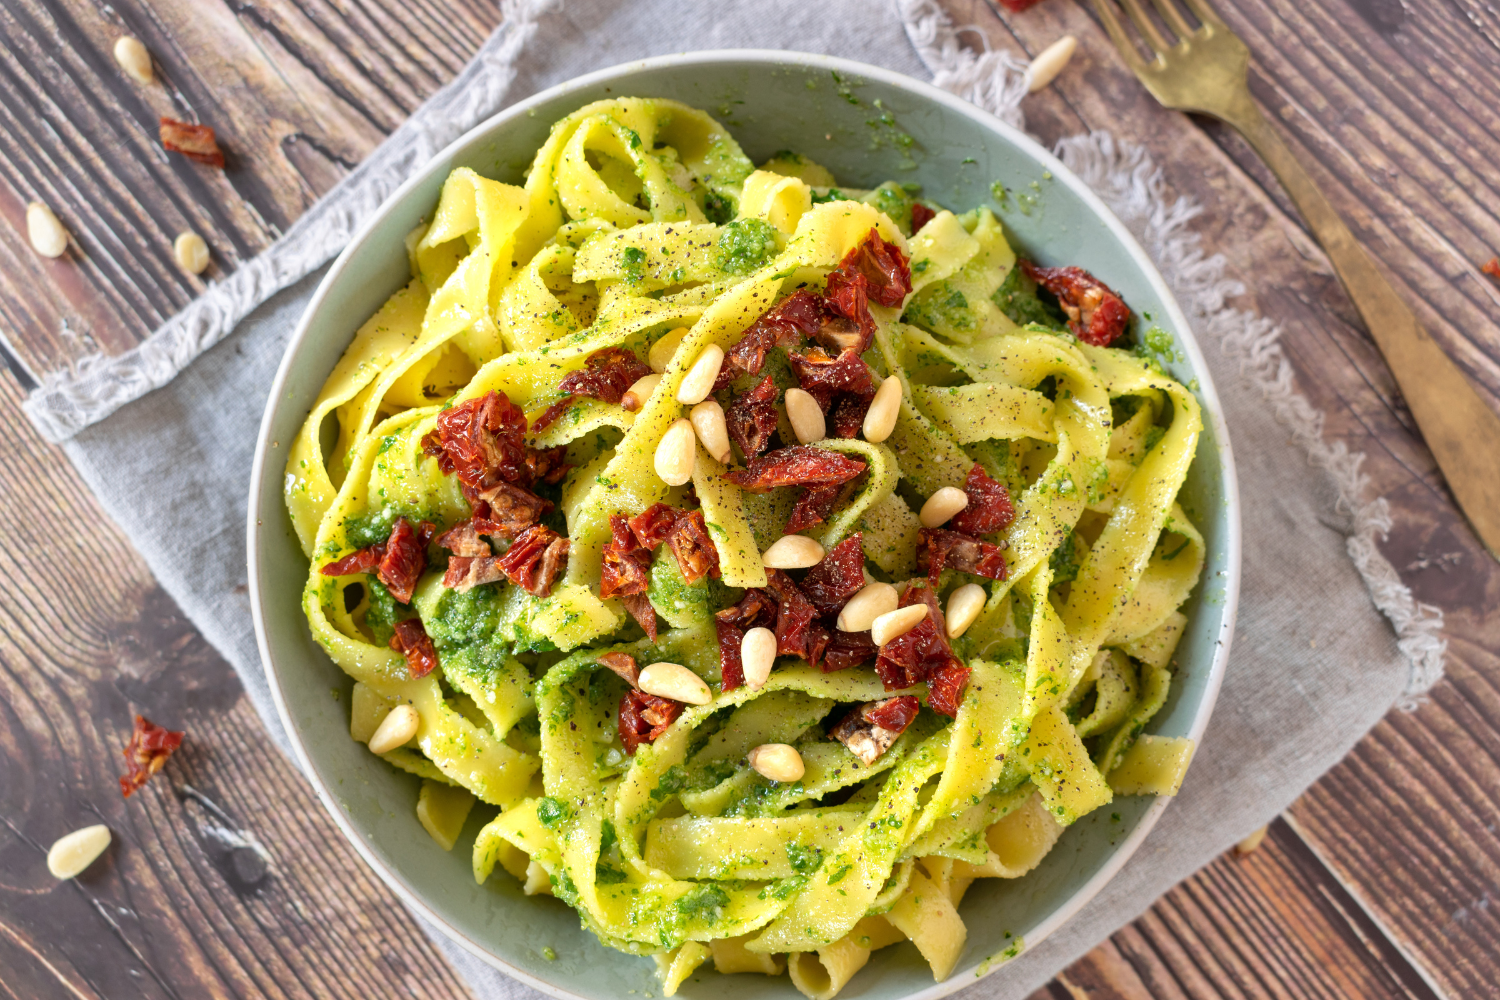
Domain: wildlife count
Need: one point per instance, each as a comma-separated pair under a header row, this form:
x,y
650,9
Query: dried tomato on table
x,y
644,717
149,747
411,640
196,142
1096,315
606,376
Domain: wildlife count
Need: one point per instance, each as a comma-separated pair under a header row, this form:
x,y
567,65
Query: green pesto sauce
x,y
744,245
1017,298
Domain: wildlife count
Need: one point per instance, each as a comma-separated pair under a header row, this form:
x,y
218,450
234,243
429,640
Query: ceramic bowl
x,y
770,101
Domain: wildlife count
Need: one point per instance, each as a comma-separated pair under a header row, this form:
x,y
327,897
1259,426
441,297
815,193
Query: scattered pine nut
x,y
660,354
874,600
806,416
636,396
674,681
777,762
792,552
757,654
964,605
677,453
191,252
1049,62
395,730
1250,843
46,232
880,418
708,420
942,505
895,624
133,58
699,381
75,852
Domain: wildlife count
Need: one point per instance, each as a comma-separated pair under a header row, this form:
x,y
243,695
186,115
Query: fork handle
x,y
1459,426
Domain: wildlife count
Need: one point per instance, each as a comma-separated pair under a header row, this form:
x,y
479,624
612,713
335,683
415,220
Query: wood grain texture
x,y
1380,882
226,877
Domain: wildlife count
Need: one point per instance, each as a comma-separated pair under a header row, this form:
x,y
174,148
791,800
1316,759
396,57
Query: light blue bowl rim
x,y
1188,343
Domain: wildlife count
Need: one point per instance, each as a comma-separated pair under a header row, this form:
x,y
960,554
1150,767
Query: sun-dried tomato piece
x,y
989,506
892,713
875,271
694,549
412,641
504,509
945,689
863,731
840,576
797,465
848,416
826,377
1016,6
463,539
626,567
196,142
1096,315
813,507
799,315
731,663
149,747
1492,268
643,611
608,373
757,609
405,558
464,573
938,548
652,525
547,465
482,441
552,414
920,216
535,558
912,658
644,717
361,561
622,664
797,632
752,418
848,649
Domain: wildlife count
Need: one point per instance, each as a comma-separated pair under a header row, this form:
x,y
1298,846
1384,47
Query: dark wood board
x,y
1379,881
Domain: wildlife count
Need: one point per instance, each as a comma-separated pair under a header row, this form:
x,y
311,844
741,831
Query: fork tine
x,y
1203,12
1126,45
1173,16
1146,26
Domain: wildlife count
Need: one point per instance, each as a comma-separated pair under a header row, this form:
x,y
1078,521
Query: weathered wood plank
x,y
226,877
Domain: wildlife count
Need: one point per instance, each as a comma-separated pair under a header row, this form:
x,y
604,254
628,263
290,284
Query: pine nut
x,y
75,852
133,58
880,418
699,381
47,235
808,422
674,681
191,253
660,354
895,624
677,453
777,762
636,396
1049,62
395,730
708,420
942,505
964,605
757,654
792,552
874,600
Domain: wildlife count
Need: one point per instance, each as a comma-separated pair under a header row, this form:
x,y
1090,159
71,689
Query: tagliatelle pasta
x,y
662,731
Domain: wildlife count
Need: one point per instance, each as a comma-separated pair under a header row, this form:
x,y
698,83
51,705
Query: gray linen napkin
x,y
1314,664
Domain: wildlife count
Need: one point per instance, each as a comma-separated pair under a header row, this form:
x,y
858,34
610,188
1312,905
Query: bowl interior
x,y
829,110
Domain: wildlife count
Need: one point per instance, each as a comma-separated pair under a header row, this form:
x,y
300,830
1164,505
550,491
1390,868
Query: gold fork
x,y
1205,71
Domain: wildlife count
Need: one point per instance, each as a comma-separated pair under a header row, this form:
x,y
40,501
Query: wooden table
x,y
228,879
